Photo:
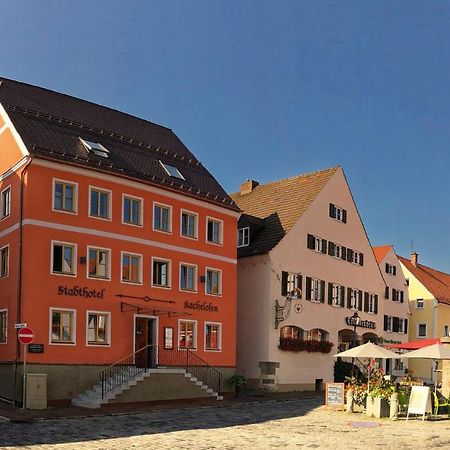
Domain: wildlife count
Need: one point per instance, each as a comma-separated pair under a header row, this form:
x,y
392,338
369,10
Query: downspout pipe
x,y
19,275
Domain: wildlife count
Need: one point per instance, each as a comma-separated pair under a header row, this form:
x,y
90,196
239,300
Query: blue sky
x,y
270,89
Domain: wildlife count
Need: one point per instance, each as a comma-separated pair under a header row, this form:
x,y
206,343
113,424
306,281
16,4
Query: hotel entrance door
x,y
144,342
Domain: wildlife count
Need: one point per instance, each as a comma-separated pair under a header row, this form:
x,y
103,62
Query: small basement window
x,y
172,171
95,148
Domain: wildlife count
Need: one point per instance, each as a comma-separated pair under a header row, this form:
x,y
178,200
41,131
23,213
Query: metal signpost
x,y
25,336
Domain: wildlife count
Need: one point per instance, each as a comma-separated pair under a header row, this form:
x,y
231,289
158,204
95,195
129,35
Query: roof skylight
x,y
172,171
95,148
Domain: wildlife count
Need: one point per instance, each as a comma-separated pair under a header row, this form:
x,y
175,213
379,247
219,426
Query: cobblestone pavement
x,y
299,423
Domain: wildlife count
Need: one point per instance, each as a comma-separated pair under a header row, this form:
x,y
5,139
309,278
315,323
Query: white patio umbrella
x,y
370,351
435,352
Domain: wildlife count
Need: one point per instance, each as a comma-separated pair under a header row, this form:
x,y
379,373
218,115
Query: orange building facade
x,y
101,258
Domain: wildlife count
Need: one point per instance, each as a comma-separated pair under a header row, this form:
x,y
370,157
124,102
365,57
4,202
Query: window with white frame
x,y
421,330
62,326
318,334
419,303
291,332
372,303
132,210
161,218
4,261
188,277
98,263
98,325
161,273
63,258
187,334
338,293
5,202
100,201
3,326
214,231
402,325
213,281
355,299
316,243
64,196
397,295
243,237
213,338
131,268
389,323
357,258
390,269
338,213
189,224
337,251
316,289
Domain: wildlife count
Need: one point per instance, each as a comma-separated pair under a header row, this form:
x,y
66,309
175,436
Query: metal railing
x,y
152,356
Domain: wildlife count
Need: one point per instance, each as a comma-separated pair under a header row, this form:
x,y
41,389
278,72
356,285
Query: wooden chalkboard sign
x,y
334,395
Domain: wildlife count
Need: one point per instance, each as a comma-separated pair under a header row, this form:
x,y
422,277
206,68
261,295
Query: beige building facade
x,y
305,267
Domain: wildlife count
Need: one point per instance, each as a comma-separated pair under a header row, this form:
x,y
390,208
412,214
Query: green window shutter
x,y
344,253
366,301
324,246
349,298
284,279
342,303
360,300
310,241
331,246
376,304
395,325
386,292
401,296
308,288
332,209
385,322
322,292
330,293
349,255
344,215
361,259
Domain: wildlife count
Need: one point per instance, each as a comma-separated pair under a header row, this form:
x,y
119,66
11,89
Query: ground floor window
x,y
3,326
291,332
62,326
213,336
317,334
98,324
187,334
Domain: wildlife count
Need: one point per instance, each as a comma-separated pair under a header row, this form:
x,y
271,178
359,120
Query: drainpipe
x,y
19,277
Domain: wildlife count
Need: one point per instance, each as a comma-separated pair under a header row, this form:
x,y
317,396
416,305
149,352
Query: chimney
x,y
415,258
248,186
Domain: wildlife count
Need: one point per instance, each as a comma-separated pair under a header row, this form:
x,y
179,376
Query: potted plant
x,y
239,381
380,391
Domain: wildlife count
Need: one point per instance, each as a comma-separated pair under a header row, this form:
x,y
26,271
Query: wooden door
x,y
144,342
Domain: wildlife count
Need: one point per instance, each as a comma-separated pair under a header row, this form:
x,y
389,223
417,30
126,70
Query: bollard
x,y
393,411
349,399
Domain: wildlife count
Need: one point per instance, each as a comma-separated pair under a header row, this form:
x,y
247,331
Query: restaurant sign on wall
x,y
362,323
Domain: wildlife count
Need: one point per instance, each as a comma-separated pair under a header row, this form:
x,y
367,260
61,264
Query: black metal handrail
x,y
152,356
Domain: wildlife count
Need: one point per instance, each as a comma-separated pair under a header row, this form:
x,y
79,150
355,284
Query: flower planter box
x,y
377,407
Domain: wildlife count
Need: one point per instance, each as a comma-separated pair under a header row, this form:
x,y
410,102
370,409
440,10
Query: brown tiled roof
x,y
51,123
380,252
279,204
438,283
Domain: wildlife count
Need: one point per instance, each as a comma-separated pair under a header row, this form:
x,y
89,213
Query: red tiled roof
x,y
438,283
380,252
279,204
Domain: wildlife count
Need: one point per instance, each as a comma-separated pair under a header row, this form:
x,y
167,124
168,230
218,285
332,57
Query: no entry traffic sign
x,y
25,335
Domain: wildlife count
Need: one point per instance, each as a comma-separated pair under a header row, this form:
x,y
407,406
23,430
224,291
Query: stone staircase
x,y
172,379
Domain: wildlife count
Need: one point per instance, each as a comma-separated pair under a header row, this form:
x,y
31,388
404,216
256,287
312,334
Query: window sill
x,y
162,231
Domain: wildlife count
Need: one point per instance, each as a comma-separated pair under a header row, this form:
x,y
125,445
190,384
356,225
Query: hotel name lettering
x,y
201,306
362,323
78,291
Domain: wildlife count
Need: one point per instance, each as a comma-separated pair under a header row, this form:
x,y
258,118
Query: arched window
x,y
291,332
316,334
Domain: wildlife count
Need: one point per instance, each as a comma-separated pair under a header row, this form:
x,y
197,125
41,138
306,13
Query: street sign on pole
x,y
18,326
25,335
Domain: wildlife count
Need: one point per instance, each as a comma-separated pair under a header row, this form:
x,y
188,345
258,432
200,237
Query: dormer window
x,y
172,171
243,238
95,148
